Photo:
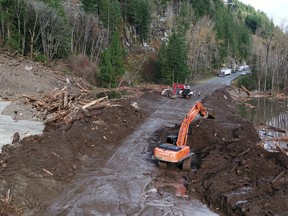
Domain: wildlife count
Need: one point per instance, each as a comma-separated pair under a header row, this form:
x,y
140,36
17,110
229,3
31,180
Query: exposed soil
x,y
34,170
233,175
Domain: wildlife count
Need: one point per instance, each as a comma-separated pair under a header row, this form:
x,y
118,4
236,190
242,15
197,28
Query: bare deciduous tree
x,y
202,47
53,28
34,34
272,56
279,60
87,35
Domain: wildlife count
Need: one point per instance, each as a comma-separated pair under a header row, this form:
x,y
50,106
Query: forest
x,y
127,42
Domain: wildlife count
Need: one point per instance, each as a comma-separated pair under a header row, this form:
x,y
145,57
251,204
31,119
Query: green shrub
x,y
40,57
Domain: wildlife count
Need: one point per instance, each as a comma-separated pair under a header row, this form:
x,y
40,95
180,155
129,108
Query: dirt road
x,y
126,182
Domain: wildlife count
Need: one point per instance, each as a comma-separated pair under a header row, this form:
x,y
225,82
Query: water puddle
x,y
9,126
271,119
180,189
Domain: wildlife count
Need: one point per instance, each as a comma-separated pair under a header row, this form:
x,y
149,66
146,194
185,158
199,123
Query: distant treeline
x,y
164,41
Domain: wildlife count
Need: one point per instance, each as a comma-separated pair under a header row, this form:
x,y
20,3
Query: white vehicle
x,y
243,68
225,71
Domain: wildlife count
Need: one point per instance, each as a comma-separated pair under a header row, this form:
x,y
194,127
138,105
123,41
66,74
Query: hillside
x,y
135,41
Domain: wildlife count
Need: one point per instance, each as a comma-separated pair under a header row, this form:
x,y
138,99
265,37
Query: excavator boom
x,y
198,108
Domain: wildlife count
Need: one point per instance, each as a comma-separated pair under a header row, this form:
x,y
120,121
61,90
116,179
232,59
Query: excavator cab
x,y
172,139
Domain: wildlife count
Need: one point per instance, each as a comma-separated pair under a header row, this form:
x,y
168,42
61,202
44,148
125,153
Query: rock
x,y
16,138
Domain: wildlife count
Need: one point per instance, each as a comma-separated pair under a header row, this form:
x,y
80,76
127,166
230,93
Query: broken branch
x,y
244,152
94,102
48,172
280,149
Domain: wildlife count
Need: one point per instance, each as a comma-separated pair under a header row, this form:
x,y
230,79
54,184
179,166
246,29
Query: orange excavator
x,y
177,151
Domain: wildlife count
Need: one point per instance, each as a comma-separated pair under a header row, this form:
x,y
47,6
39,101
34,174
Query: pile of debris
x,y
66,106
63,106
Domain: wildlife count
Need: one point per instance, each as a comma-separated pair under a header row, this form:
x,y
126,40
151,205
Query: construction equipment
x,y
178,90
176,150
185,93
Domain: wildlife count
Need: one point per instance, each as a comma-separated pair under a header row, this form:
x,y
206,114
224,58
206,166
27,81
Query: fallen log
x,y
269,127
40,103
57,93
82,88
285,139
244,152
245,90
54,106
65,99
280,149
48,172
27,101
276,129
94,102
28,97
84,84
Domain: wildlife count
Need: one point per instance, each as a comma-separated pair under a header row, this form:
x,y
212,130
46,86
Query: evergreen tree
x,y
172,65
184,18
177,57
253,22
202,8
233,38
139,15
163,73
112,63
90,6
110,14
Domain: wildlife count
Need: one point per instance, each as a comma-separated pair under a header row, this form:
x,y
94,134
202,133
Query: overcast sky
x,y
276,9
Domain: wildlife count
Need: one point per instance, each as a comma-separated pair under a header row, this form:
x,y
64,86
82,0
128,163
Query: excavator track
x,y
162,164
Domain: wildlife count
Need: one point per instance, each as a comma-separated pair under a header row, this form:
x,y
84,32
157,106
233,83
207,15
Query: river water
x,y
273,112
9,126
267,112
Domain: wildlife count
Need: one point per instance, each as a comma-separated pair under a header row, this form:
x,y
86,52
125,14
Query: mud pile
x,y
34,170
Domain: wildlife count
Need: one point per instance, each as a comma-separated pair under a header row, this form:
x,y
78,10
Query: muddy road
x,y
128,182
